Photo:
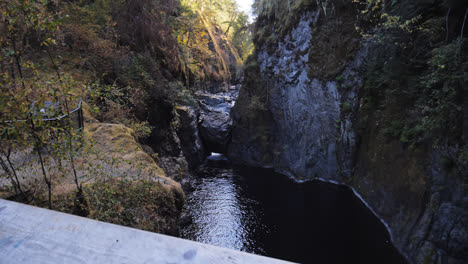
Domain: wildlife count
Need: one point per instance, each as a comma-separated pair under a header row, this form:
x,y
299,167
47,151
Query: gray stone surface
x,y
35,235
215,121
176,168
307,112
307,129
215,129
192,145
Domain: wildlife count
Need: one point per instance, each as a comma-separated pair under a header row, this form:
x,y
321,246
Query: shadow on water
x,y
259,211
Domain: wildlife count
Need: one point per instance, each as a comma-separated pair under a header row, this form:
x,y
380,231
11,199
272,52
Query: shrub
x,y
141,204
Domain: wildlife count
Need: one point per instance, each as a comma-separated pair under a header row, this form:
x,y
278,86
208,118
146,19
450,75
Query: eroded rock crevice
x,y
206,127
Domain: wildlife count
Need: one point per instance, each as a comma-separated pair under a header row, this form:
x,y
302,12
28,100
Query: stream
x,y
262,212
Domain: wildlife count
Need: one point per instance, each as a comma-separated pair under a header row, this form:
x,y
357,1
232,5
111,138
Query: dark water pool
x,y
259,211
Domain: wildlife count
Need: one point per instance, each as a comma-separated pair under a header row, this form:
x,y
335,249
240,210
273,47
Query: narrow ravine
x,y
259,211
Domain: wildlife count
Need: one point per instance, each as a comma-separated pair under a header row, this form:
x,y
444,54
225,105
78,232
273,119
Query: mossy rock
x,y
117,142
142,204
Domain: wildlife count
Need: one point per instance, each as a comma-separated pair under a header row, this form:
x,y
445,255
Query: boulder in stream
x,y
215,121
215,129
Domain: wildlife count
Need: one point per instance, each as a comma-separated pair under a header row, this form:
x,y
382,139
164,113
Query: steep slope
x,y
331,93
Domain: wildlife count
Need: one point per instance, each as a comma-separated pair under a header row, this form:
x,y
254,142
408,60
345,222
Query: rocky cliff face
x,y
215,121
304,110
305,84
199,126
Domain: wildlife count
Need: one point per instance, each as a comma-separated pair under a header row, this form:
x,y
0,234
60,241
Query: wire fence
x,y
76,116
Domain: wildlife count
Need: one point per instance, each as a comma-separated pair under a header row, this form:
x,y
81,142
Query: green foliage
x,y
346,108
447,163
436,99
19,18
214,38
413,74
439,103
25,121
383,23
254,87
143,25
125,59
142,130
141,204
242,36
186,97
110,102
464,155
287,13
118,56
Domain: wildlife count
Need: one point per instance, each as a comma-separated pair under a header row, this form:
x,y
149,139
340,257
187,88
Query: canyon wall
x,y
312,108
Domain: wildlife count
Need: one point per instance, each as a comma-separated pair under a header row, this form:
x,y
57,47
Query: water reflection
x,y
262,212
222,216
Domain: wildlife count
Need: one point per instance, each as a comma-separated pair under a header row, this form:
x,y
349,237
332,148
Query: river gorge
x,y
314,131
259,211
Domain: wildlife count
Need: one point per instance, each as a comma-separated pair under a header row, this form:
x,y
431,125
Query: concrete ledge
x,y
34,235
